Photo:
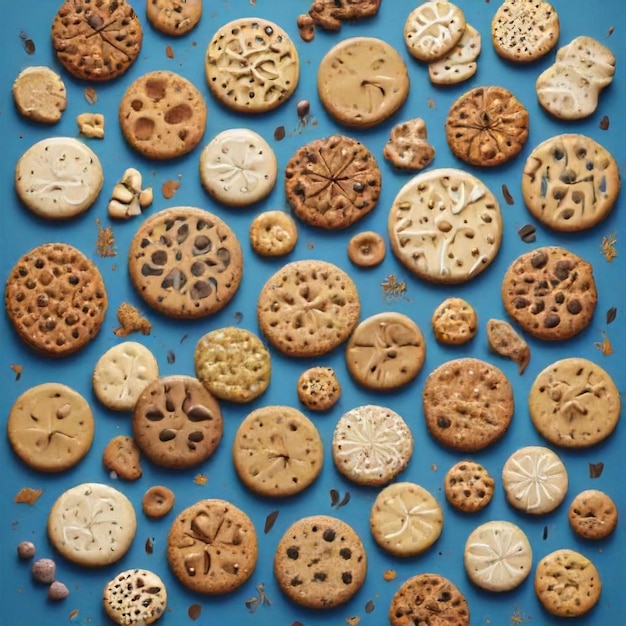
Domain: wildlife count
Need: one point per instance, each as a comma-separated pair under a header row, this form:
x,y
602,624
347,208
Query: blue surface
x,y
25,604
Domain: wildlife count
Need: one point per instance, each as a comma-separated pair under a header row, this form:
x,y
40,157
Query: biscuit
x,y
39,94
91,125
122,456
592,515
408,147
273,233
329,14
318,388
459,64
173,17
454,322
468,486
504,340
367,249
157,501
135,596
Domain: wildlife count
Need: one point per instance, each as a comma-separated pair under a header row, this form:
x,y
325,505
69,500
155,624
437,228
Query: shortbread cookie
x,y
39,94
570,182
177,423
550,292
173,17
320,562
212,547
574,403
273,233
445,226
385,351
308,308
534,480
96,41
122,456
367,249
362,81
162,115
251,65
408,147
329,14
318,388
58,178
505,341
135,596
460,63
277,451
454,322
371,445
592,514
185,262
487,126
498,556
92,524
157,501
468,486
405,519
567,583
333,182
56,299
468,404
50,427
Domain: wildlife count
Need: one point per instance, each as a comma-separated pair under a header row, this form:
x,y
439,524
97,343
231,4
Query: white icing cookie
x,y
460,63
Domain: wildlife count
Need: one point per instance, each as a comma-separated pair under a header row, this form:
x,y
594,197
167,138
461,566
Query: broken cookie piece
x,y
91,125
505,341
128,198
408,147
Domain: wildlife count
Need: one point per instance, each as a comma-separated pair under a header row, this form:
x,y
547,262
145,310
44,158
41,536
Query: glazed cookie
x,y
273,233
50,427
318,388
56,299
237,61
445,226
177,423
185,262
366,249
454,322
592,514
371,445
212,547
468,486
135,596
504,340
333,182
329,14
122,456
408,147
39,94
157,501
173,17
460,63
277,451
320,562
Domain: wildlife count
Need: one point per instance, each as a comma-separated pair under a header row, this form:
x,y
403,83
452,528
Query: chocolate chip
x,y
303,108
520,303
321,576
574,307
279,133
539,259
562,270
345,553
329,535
508,198
604,123
527,233
196,436
167,434
443,422
538,307
611,314
559,297
346,578
293,553
552,320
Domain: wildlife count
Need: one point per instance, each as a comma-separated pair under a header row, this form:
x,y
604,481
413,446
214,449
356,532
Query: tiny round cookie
x,y
320,562
273,233
39,94
96,41
122,456
498,556
277,451
592,514
252,66
56,299
362,81
185,262
405,519
460,63
385,351
366,249
332,182
50,427
173,17
212,547
550,292
408,147
318,388
92,524
534,480
468,486
157,501
567,583
371,445
574,403
135,596
454,322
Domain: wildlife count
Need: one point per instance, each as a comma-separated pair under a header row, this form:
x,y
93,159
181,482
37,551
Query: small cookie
x,y
318,388
371,445
454,322
273,233
460,63
320,562
534,480
504,340
122,456
385,351
366,249
173,17
39,94
212,547
468,486
91,125
157,501
277,451
135,596
592,514
329,14
408,147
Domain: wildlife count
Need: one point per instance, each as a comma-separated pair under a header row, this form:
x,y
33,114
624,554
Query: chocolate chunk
x,y
329,535
559,297
552,320
574,307
539,259
443,422
293,553
520,303
562,270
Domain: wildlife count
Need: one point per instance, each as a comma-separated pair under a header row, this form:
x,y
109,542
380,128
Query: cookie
x,y
320,562
318,388
460,240
39,94
534,480
135,596
329,14
277,451
459,64
570,182
505,341
273,234
454,322
366,249
212,547
362,81
58,178
385,351
157,501
550,292
468,486
92,525
332,182
91,125
371,445
50,427
308,308
173,17
177,423
96,41
574,403
122,456
56,299
251,65
592,514
408,147
468,404
185,262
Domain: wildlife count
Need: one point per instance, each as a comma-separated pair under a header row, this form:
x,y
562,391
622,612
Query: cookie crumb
x,y
169,52
73,614
605,345
105,240
353,621
200,479
17,369
169,188
91,95
392,288
608,246
389,575
27,495
131,320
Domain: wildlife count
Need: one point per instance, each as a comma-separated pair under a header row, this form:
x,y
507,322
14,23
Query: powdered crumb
x,y
131,321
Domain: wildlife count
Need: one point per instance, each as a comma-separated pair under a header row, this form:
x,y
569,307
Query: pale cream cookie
x,y
273,233
408,147
460,63
40,95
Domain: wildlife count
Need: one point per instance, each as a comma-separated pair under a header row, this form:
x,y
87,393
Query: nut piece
x,y
26,549
58,591
128,198
91,125
44,571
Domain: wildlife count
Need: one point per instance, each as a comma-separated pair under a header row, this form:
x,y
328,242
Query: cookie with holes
x,y
133,596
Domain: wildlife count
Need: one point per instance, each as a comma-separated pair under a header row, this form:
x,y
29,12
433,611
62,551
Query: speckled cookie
x,y
135,596
174,17
39,94
318,388
592,514
273,233
122,456
454,322
468,486
460,63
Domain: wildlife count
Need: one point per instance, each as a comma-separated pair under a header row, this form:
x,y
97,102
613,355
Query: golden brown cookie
x,y
468,486
122,456
318,388
39,94
273,233
592,514
408,147
157,501
366,249
504,340
135,596
454,322
174,17
329,14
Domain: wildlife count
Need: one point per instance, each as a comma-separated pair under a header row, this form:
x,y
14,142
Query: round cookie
x,y
468,486
162,115
135,596
157,501
56,299
122,456
468,404
50,427
185,262
92,524
454,322
173,17
550,292
320,562
592,515
273,233
504,340
445,226
366,249
318,388
385,351
460,63
277,451
39,94
212,547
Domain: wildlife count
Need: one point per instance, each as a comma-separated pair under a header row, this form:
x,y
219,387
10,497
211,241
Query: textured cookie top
x,y
460,63
40,94
174,17
329,14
